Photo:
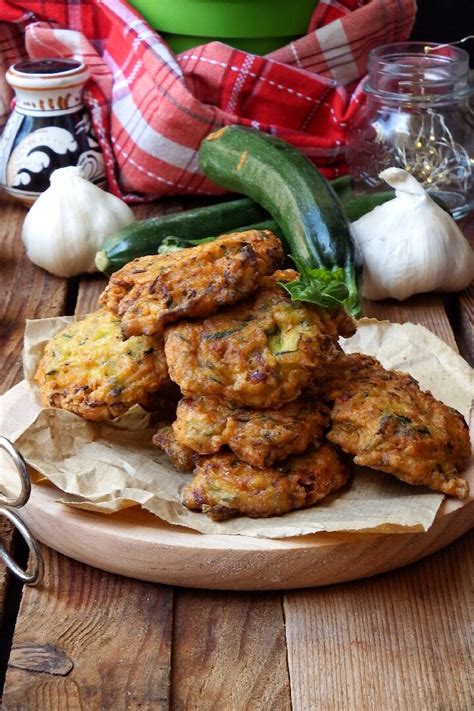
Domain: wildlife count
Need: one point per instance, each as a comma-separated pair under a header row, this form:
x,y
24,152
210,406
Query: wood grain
x,y
115,632
44,658
466,319
396,642
425,309
9,597
6,535
90,289
229,652
462,305
27,292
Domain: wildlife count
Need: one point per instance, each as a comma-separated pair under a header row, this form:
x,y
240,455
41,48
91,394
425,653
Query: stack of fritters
x,y
268,398
243,371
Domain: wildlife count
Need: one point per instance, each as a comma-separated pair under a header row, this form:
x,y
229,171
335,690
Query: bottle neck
x,y
51,86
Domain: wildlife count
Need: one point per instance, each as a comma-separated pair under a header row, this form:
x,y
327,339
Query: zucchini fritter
x,y
258,437
89,369
385,420
181,456
224,487
150,292
260,353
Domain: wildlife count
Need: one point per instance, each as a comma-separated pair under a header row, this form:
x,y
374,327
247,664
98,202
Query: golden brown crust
x,y
260,353
88,369
150,292
258,437
224,487
181,456
385,420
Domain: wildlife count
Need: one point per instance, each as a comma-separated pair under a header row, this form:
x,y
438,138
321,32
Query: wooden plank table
x,y
87,639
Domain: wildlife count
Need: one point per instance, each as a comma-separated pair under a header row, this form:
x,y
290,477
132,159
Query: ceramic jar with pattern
x,y
49,128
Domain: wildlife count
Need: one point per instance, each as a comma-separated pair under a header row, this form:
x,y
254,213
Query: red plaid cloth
x,y
151,109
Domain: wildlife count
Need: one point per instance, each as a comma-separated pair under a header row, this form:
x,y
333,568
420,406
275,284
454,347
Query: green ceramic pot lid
x,y
228,18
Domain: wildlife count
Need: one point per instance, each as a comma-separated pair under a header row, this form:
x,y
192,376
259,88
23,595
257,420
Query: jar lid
x,y
47,73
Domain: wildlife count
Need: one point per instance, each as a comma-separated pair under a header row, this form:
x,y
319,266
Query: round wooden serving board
x,y
139,545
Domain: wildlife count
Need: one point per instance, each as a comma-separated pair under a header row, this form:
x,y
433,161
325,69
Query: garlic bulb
x,y
69,223
410,244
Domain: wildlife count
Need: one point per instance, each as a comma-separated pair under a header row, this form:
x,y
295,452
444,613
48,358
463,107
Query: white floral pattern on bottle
x,y
49,128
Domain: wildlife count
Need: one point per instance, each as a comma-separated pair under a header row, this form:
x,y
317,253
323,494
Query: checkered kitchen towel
x,y
151,109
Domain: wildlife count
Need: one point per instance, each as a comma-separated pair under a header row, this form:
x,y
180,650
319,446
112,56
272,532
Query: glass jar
x,y
49,128
417,116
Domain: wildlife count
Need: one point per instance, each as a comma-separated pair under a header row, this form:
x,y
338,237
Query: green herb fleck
x,y
223,334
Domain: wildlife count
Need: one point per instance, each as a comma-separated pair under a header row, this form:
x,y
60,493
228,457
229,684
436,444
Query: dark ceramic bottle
x,y
49,128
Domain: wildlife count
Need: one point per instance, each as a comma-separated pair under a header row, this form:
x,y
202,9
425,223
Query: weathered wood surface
x,y
466,320
90,640
6,534
6,581
87,639
27,292
229,652
395,642
425,309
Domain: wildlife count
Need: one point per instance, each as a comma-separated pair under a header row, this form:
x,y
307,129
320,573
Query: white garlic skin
x,y
410,245
70,222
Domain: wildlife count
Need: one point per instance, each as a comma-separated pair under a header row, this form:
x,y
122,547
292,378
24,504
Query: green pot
x,y
258,26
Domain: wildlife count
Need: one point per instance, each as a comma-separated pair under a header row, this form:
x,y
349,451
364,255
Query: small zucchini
x,y
145,237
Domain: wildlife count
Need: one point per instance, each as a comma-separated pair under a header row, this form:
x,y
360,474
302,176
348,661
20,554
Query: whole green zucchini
x,y
145,237
283,181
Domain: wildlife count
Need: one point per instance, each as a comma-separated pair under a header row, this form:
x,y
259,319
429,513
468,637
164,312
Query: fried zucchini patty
x,y
150,292
181,456
258,437
89,369
385,420
260,353
224,486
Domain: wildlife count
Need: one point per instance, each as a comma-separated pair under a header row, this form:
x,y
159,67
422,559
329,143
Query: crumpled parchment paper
x,y
110,466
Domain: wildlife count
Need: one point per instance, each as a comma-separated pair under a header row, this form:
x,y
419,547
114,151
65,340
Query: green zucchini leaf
x,y
318,286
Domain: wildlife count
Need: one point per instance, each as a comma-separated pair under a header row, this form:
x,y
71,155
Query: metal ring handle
x,y
36,574
6,509
22,470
